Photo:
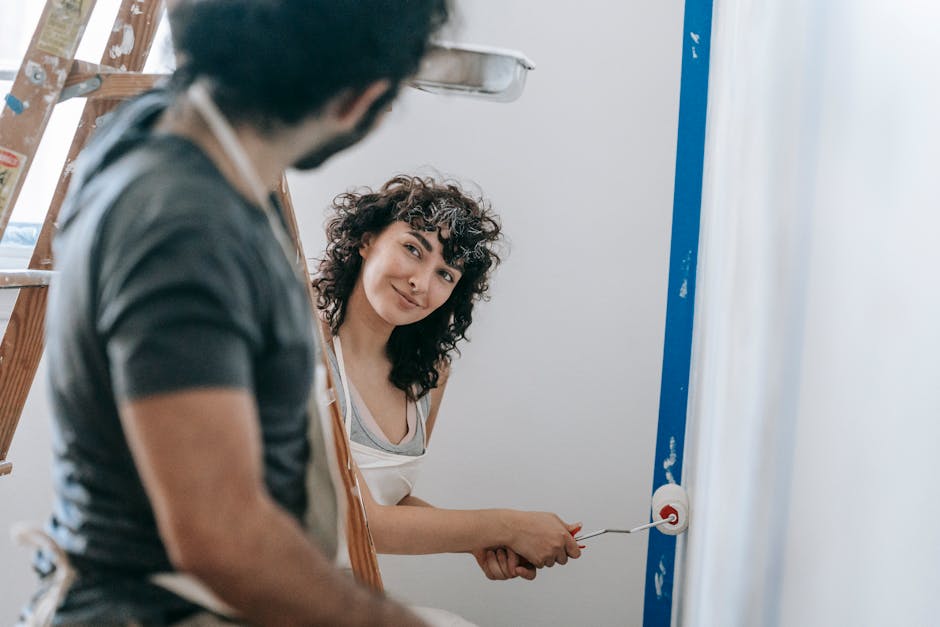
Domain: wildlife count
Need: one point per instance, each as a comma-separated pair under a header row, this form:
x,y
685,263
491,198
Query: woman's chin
x,y
394,317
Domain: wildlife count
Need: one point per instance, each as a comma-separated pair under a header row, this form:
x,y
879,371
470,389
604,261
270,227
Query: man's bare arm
x,y
199,456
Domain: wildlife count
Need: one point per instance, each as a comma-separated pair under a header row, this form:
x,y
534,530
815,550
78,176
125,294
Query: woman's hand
x,y
502,563
542,538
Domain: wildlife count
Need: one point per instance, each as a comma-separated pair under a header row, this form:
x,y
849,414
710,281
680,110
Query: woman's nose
x,y
418,282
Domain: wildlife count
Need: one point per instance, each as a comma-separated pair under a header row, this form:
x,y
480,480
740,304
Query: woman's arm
x,y
483,533
497,563
541,538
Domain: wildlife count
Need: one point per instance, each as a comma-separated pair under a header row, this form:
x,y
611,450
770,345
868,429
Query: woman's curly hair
x,y
419,350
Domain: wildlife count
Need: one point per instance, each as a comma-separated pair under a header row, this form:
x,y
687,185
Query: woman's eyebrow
x,y
427,245
424,242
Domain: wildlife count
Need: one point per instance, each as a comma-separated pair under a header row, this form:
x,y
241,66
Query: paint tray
x,y
470,70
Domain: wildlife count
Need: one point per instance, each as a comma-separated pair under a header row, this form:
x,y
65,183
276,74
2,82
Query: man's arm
x,y
199,456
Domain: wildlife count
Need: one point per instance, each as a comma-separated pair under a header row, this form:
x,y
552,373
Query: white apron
x,y
390,476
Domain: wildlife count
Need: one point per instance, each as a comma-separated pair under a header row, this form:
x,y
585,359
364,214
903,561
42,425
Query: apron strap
x,y
347,413
43,609
422,416
347,409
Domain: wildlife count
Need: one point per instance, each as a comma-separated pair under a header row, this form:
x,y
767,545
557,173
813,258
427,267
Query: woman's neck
x,y
363,331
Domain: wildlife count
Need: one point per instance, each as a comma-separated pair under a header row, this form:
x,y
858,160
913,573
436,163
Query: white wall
x,y
554,404
815,397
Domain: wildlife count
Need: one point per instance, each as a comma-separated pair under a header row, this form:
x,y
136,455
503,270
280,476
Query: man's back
x,y
169,280
180,341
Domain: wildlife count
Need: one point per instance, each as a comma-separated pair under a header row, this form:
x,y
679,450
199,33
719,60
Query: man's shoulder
x,y
175,179
171,190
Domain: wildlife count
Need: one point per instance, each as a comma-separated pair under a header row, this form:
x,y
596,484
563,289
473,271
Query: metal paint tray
x,y
466,69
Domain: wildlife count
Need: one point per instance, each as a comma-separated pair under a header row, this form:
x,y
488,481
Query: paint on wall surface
x,y
677,353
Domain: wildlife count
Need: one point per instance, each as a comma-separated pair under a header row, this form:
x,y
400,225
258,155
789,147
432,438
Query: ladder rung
x,y
101,82
12,279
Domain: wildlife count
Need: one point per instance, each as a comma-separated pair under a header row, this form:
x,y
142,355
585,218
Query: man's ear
x,y
350,106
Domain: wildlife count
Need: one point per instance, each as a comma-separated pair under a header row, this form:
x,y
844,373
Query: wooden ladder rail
x,y
38,87
362,554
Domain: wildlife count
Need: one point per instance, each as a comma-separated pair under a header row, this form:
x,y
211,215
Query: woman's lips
x,y
410,301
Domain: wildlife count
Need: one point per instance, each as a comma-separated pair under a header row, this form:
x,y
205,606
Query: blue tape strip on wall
x,y
680,303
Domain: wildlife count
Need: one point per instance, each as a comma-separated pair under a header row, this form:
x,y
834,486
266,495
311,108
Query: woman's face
x,y
404,274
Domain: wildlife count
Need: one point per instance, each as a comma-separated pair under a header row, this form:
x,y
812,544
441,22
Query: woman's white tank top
x,y
390,476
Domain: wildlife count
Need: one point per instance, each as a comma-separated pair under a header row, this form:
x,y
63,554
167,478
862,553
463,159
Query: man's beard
x,y
316,157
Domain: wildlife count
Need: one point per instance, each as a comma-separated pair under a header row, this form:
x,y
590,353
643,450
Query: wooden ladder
x,y
48,75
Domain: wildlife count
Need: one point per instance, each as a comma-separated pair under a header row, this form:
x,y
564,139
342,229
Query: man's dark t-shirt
x,y
168,280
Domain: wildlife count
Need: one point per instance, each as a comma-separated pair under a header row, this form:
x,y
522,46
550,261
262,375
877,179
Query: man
x,y
179,335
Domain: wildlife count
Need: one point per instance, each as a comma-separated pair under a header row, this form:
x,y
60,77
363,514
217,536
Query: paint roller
x,y
670,505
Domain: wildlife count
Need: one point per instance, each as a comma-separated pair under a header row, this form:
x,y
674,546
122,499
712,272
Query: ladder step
x,y
12,279
103,82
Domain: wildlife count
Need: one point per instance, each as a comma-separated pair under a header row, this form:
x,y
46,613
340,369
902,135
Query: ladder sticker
x,y
60,33
11,164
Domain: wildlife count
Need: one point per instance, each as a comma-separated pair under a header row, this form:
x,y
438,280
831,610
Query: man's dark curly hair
x,y
274,62
417,351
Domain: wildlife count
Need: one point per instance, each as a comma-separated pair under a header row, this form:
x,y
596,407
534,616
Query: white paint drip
x,y
127,43
659,579
671,460
695,37
684,288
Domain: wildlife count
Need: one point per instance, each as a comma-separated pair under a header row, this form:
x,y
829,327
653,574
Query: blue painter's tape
x,y
15,104
677,352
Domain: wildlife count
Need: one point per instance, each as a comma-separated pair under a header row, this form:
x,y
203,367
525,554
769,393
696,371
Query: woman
x,y
404,266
